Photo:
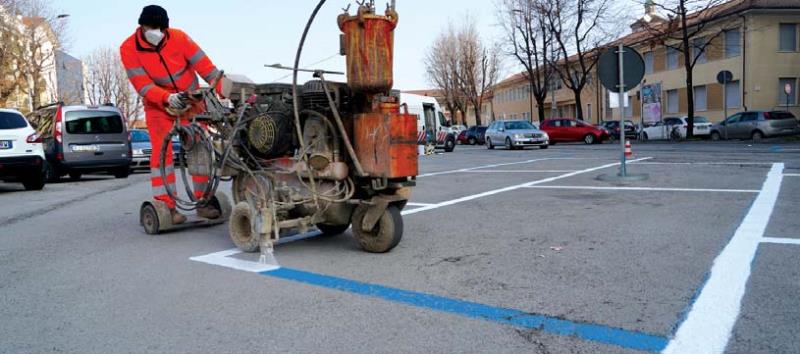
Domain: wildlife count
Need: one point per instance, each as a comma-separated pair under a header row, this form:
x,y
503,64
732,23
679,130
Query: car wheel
x,y
509,146
588,139
644,136
50,173
34,183
449,145
472,141
489,144
122,172
757,136
715,136
543,147
75,176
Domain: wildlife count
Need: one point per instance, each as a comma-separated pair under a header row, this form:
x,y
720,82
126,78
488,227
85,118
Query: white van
x,y
430,120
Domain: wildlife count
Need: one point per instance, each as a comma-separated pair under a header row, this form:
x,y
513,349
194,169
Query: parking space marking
x,y
647,189
519,171
224,259
511,188
708,163
791,175
418,204
505,164
708,324
781,241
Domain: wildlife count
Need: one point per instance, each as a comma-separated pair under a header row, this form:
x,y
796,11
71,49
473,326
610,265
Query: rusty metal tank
x,y
386,142
368,43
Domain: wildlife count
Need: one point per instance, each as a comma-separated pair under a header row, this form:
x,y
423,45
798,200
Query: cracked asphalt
x,y
78,275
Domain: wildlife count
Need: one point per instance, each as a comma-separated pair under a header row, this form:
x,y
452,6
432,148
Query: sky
x,y
241,36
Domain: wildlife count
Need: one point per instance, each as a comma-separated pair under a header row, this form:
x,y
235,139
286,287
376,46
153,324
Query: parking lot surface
x,y
503,252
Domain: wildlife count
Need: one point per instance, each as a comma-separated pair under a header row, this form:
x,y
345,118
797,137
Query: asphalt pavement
x,y
503,252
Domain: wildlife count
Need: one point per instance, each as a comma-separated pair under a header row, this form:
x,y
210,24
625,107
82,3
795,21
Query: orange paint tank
x,y
386,143
368,43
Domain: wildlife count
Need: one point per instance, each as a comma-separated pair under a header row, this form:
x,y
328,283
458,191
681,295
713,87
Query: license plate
x,y
84,148
5,144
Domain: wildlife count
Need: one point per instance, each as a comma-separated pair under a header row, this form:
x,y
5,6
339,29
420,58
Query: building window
x,y
787,41
783,98
699,50
648,62
700,98
733,46
672,58
733,97
672,101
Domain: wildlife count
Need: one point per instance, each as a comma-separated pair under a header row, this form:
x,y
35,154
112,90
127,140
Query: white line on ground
x,y
648,189
511,188
791,175
781,241
519,171
707,163
504,164
418,204
224,259
709,323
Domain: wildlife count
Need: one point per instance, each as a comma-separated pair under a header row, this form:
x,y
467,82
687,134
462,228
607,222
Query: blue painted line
x,y
586,331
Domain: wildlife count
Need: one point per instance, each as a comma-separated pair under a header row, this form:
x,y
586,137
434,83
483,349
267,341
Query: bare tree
x,y
441,65
12,64
685,31
107,83
527,38
579,29
479,68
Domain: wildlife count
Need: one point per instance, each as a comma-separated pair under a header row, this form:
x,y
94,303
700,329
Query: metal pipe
x,y
339,123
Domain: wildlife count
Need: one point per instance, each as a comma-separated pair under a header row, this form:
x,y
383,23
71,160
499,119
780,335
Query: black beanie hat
x,y
154,16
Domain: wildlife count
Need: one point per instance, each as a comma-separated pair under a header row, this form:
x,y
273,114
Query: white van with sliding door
x,y
431,122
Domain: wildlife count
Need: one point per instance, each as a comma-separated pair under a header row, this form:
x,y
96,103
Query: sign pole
x,y
725,99
621,97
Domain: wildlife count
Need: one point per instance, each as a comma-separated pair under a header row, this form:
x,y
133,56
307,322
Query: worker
x,y
161,63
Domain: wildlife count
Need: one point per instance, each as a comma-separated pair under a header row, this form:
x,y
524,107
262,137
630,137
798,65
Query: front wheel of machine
x,y
241,230
332,230
148,217
384,236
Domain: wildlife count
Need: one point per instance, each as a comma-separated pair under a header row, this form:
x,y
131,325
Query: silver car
x,y
515,134
755,125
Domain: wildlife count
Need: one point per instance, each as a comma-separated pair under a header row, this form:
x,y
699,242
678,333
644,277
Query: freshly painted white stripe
x,y
504,164
418,204
648,189
520,171
224,259
708,163
510,188
708,325
782,241
791,174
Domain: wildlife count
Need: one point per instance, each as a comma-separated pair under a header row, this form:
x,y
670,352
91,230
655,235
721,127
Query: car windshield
x,y
701,120
519,125
138,136
9,120
93,122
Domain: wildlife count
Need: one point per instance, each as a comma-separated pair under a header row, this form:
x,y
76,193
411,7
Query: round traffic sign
x,y
608,68
724,76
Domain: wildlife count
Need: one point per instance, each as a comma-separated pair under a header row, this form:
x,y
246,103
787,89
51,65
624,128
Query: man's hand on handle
x,y
177,101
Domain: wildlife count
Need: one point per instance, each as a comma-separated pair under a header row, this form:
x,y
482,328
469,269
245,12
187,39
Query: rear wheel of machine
x,y
384,236
148,217
332,230
241,230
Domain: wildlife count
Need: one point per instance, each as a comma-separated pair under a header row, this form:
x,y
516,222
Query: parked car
x,y
81,139
755,125
675,128
21,152
475,134
564,130
612,126
515,134
142,149
457,129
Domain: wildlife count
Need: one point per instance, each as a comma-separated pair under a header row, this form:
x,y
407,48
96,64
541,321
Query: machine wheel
x,y
75,176
449,145
489,144
241,230
332,230
588,139
384,236
151,219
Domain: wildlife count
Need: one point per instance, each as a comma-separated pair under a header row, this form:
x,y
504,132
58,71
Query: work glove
x,y
176,101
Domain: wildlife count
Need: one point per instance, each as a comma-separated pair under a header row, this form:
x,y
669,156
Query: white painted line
x,y
224,259
418,204
520,171
781,241
708,325
511,188
791,175
708,163
647,189
504,164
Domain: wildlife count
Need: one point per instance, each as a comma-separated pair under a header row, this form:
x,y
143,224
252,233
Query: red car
x,y
563,130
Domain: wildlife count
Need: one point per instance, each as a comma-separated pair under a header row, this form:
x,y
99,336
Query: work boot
x,y
208,212
177,218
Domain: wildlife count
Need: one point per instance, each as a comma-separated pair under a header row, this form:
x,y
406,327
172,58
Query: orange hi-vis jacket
x,y
171,67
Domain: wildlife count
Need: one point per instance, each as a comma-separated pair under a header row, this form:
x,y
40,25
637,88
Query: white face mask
x,y
154,36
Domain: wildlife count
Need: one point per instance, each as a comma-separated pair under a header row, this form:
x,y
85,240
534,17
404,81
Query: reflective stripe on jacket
x,y
170,67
